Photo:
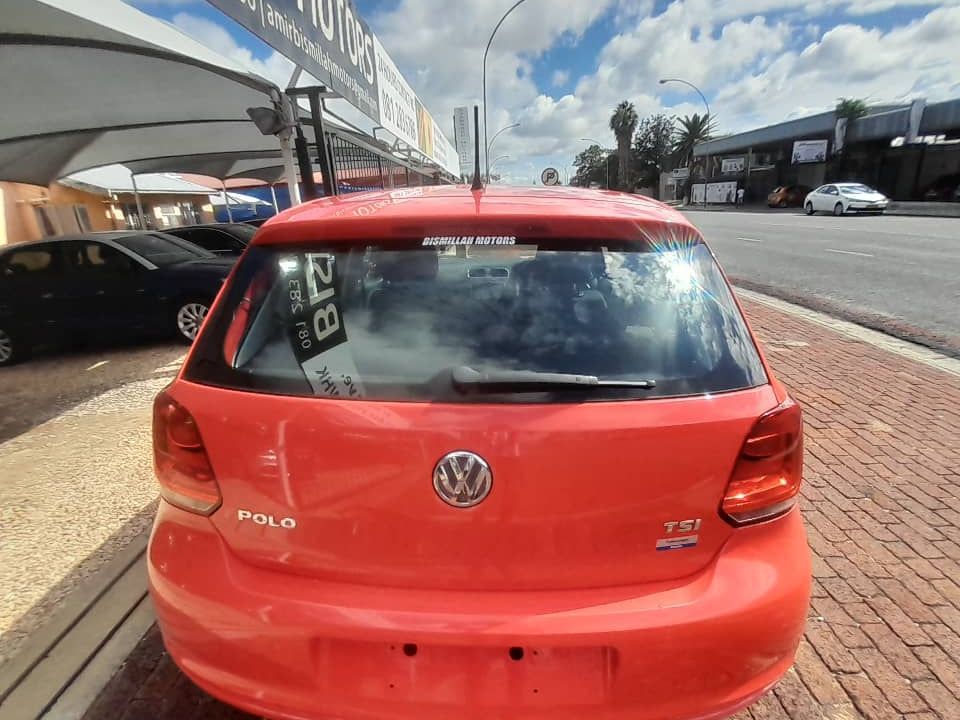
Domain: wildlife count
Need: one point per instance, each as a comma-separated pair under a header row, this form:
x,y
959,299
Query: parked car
x,y
103,284
841,198
787,196
218,238
509,455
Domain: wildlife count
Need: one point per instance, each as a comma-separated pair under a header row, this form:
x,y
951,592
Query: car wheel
x,y
189,318
9,350
808,208
838,209
782,204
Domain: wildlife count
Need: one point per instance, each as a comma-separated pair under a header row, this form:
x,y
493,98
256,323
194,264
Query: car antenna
x,y
477,182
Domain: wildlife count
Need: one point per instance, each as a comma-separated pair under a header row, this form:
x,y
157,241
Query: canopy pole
x,y
273,194
289,164
136,195
226,201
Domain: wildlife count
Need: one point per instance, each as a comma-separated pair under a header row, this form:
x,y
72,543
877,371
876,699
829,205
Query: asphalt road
x,y
896,274
47,384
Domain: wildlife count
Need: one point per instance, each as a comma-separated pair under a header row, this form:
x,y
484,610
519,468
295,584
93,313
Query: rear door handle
x,y
47,296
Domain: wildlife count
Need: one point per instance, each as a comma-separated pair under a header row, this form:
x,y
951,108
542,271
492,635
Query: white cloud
x,y
758,61
275,67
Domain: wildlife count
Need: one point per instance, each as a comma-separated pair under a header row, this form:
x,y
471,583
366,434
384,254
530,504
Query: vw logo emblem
x,y
462,479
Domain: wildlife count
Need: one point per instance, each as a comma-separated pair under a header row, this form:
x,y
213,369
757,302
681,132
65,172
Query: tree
x,y
595,165
651,147
851,108
623,122
692,131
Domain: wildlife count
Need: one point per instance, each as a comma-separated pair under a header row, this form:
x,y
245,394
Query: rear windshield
x,y
396,322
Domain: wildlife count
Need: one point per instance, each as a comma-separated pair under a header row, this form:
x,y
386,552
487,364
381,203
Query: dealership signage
x,y
681,173
330,40
732,165
809,151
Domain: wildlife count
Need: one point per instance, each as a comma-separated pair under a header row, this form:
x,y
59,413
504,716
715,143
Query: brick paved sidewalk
x,y
882,504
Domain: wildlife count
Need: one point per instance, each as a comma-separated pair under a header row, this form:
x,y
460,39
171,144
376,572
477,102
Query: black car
x,y
218,238
104,284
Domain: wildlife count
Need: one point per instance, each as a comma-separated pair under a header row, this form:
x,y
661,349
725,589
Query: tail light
x,y
767,477
180,460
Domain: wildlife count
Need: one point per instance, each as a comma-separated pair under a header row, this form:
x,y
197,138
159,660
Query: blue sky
x,y
559,66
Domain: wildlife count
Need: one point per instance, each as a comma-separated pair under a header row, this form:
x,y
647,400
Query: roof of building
x,y
882,122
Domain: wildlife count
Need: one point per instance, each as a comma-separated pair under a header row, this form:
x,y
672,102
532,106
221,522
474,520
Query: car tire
x,y
10,349
782,204
188,318
808,208
838,210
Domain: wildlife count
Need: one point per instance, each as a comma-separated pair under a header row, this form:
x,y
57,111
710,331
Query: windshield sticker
x,y
317,333
472,240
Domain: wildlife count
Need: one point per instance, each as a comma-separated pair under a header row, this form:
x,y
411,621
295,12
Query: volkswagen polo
x,y
501,453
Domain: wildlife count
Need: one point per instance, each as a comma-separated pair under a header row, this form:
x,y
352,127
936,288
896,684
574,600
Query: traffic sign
x,y
550,176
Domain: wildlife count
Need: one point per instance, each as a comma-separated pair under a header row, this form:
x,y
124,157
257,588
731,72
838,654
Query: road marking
x,y
749,239
97,365
849,252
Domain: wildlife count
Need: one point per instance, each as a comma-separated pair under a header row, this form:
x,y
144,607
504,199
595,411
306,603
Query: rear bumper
x,y
292,647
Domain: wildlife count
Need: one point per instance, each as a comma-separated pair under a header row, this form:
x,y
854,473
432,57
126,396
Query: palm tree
x,y
623,122
692,131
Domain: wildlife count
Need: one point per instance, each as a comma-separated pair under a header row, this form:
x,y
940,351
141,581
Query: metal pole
x,y
289,167
486,153
226,201
706,172
330,184
136,195
492,141
306,169
273,194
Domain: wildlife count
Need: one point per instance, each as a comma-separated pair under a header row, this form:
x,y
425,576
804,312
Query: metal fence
x,y
359,168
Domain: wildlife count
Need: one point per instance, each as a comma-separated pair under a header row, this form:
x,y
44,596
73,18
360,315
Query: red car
x,y
511,453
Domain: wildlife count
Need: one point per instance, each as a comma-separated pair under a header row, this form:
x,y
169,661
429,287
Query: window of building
x,y
46,221
82,217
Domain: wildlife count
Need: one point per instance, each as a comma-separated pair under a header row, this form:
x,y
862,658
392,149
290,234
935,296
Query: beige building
x,y
98,200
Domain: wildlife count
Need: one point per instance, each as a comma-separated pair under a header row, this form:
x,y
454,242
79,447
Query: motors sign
x,y
398,102
329,40
326,38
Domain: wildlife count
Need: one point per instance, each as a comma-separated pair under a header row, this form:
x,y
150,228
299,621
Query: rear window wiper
x,y
466,379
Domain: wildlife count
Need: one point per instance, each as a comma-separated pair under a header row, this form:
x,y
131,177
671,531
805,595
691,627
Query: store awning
x,y
86,84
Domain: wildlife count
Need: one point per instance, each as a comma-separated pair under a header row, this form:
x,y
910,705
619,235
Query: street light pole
x,y
486,149
486,146
606,160
706,171
494,163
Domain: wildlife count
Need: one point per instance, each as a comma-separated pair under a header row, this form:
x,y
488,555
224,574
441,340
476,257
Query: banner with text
x,y
330,40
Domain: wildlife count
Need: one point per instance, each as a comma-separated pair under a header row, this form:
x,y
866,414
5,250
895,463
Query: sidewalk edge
x,y
903,348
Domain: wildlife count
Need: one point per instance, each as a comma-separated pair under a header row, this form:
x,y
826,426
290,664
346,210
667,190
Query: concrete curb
x,y
63,667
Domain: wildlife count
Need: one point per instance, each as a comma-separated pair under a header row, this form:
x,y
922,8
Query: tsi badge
x,y
687,539
287,523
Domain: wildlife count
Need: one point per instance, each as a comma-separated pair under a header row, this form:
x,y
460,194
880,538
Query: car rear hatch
x,y
326,392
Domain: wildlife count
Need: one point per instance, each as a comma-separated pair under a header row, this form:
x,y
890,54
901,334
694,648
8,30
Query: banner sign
x,y
717,192
681,173
329,40
809,151
732,165
398,102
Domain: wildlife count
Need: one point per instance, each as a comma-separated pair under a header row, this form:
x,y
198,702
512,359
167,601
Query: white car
x,y
841,198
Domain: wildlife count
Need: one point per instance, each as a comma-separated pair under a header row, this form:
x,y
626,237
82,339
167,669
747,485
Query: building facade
x,y
908,152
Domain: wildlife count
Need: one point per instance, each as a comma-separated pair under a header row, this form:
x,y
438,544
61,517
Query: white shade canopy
x,y
86,84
